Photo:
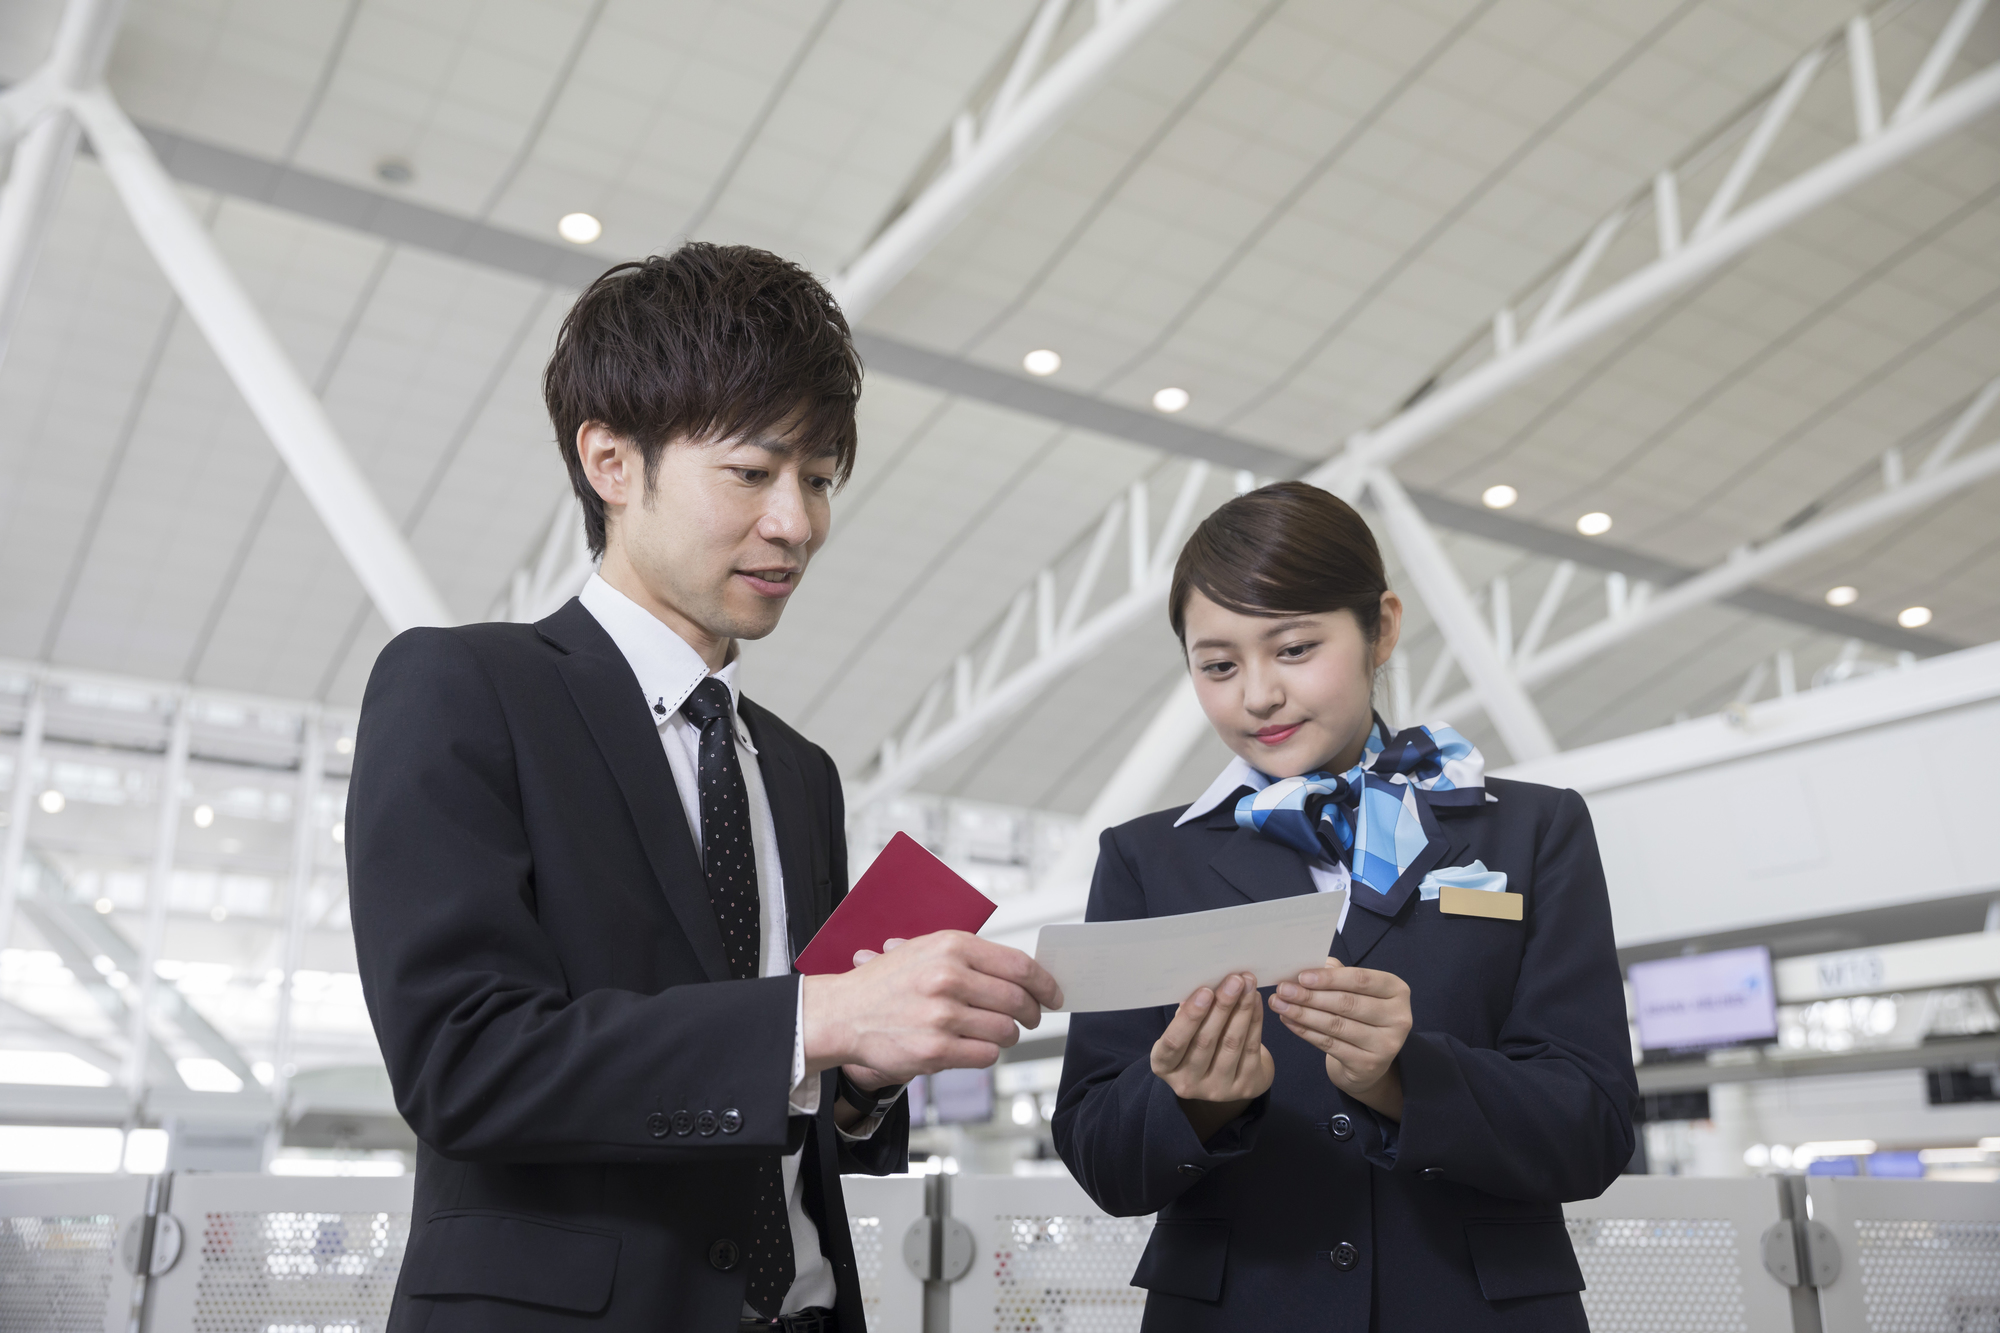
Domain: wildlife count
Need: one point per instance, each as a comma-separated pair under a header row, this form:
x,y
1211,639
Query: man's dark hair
x,y
1288,548
709,342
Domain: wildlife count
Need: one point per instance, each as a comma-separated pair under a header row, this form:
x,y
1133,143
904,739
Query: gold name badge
x,y
1454,901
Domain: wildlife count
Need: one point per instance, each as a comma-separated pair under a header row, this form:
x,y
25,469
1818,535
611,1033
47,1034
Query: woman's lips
x,y
771,582
1277,735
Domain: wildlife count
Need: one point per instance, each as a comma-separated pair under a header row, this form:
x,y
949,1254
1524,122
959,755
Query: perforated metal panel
x,y
1660,1275
879,1210
1929,1277
60,1240
301,1272
867,1233
56,1273
1047,1260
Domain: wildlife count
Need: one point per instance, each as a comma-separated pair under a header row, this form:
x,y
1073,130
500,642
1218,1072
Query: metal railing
x,y
222,1252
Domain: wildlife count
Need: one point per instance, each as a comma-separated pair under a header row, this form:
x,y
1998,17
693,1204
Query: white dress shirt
x,y
668,671
1326,875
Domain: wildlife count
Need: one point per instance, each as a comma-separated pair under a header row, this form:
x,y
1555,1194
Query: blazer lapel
x,y
785,786
607,694
1365,929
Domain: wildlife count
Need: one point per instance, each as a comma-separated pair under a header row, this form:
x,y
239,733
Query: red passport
x,y
906,893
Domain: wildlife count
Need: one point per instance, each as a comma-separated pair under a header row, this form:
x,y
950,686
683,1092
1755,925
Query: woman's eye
x,y
1217,668
1296,650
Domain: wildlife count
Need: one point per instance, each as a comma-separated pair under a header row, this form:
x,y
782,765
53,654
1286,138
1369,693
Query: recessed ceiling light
x,y
1914,617
52,802
340,832
395,171
218,913
1170,399
103,906
1041,361
345,745
1594,524
1498,497
204,815
1845,595
579,228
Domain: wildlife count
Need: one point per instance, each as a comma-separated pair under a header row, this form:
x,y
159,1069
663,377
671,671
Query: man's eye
x,y
822,484
752,474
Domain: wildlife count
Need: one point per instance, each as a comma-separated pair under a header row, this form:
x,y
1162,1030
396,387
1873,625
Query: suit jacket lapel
x,y
1364,929
607,694
791,812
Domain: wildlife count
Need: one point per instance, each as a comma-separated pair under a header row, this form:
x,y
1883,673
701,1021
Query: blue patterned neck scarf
x,y
1376,817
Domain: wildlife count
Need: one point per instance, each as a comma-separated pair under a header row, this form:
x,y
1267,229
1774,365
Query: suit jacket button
x,y
705,1124
656,1125
1345,1256
732,1120
1341,1127
722,1255
1190,1169
683,1123
1431,1173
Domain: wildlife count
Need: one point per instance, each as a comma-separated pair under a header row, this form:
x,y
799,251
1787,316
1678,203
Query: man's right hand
x,y
943,1001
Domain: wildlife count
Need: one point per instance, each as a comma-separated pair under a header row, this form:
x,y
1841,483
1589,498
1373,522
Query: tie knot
x,y
708,703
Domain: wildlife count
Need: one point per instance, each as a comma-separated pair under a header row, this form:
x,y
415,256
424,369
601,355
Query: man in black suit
x,y
581,865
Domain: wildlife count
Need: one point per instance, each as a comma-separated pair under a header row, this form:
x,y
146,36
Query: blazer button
x,y
683,1123
732,1120
656,1125
1431,1173
722,1255
705,1124
1345,1256
1190,1169
1341,1127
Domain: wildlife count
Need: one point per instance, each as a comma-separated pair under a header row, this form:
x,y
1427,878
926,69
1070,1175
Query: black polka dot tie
x,y
729,863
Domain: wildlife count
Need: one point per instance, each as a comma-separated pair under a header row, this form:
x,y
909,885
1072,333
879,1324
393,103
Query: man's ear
x,y
611,463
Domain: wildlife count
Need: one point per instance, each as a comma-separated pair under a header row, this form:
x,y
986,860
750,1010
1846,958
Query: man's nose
x,y
785,519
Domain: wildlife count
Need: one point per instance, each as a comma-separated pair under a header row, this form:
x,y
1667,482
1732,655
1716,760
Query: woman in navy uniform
x,y
1387,1144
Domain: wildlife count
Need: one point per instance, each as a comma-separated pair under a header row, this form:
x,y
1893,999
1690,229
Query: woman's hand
x,y
1212,1055
1359,1018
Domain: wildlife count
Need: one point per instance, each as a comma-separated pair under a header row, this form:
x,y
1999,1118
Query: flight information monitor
x,y
1701,1001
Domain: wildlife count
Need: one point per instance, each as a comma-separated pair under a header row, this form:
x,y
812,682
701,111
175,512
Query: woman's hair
x,y
1287,548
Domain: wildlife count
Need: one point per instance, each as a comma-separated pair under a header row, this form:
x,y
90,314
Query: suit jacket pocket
x,y
483,1252
1515,1259
1185,1258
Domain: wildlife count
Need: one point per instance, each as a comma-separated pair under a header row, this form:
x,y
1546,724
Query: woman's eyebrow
x,y
1285,626
1223,644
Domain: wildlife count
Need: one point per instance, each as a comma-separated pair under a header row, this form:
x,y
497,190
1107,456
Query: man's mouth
x,y
1278,734
771,582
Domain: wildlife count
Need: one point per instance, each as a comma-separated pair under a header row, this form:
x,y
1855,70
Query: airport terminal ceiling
x,y
1309,218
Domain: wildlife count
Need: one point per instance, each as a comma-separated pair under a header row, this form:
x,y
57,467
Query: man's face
x,y
722,537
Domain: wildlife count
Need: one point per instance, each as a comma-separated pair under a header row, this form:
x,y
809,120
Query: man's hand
x,y
943,1001
1359,1018
1212,1055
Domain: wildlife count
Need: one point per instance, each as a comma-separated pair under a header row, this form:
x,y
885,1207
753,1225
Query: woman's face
x,y
1289,693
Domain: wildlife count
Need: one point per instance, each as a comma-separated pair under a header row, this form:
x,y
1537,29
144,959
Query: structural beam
x,y
34,114
1507,703
277,394
20,805
1741,570
1018,122
146,980
1727,236
305,866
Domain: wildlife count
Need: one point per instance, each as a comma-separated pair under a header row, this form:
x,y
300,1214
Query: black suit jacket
x,y
1517,1084
588,1086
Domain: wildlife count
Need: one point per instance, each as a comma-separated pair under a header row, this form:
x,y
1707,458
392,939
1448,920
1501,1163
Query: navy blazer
x,y
590,1090
1311,1212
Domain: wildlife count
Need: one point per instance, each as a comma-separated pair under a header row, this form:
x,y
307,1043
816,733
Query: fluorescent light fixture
x,y
579,228
54,1150
340,831
52,802
1845,595
1807,1152
337,1166
205,1075
146,1152
1914,617
1943,1156
204,815
1041,361
51,1069
1171,399
1594,524
1498,497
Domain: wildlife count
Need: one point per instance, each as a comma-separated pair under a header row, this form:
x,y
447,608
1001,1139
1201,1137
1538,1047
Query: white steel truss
x,y
1560,327
46,110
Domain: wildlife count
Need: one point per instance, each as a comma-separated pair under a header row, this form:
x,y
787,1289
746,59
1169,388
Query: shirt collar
x,y
1238,774
667,667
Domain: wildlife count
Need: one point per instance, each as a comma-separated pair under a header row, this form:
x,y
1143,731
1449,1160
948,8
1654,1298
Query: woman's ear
x,y
1389,628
